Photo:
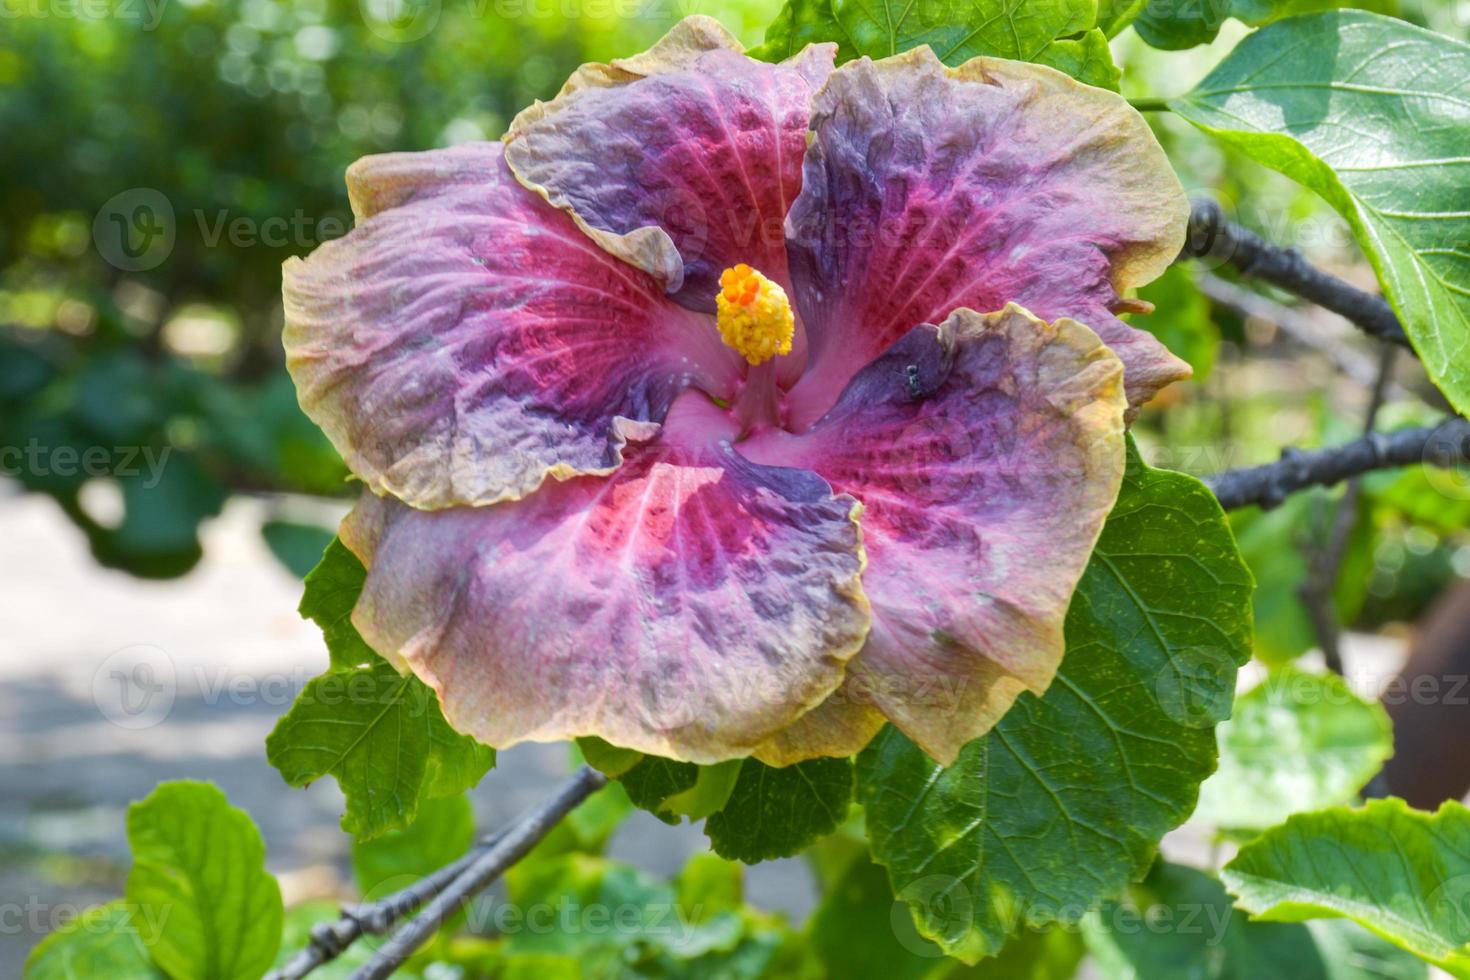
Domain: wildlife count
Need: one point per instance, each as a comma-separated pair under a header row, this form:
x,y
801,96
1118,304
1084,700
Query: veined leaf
x,y
199,870
1296,742
752,811
1403,873
381,734
775,812
1178,923
101,942
1066,798
1373,114
1059,33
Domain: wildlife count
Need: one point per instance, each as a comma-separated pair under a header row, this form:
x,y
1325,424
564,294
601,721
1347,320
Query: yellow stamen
x,y
754,314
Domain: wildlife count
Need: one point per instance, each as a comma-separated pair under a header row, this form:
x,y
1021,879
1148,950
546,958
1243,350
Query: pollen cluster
x,y
754,315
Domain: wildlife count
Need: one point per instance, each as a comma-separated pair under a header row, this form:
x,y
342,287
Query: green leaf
x,y
1066,798
1351,952
1373,114
101,942
331,591
1403,873
654,779
200,864
710,792
442,834
1296,742
1041,31
775,812
377,732
1174,25
1036,954
1181,319
381,734
1179,923
1114,16
299,547
607,758
860,929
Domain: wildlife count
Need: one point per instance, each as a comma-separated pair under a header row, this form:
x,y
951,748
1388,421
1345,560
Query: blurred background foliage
x,y
231,122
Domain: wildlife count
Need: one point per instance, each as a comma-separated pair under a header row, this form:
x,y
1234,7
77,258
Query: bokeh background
x,y
161,493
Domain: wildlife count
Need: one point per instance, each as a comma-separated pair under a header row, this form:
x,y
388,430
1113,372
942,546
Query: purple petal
x,y
987,453
690,605
927,189
690,137
466,340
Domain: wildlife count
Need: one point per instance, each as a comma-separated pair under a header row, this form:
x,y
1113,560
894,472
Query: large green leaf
x,y
101,942
200,864
1178,923
331,591
1296,742
1066,798
1351,952
381,734
775,812
1177,24
1403,873
1374,115
1060,33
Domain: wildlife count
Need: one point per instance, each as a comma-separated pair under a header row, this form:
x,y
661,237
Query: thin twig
x,y
1212,236
1324,567
482,871
1445,445
330,939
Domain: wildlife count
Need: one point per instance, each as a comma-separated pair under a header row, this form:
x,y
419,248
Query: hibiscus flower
x,y
732,408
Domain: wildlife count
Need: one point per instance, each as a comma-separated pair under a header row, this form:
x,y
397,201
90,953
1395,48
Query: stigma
x,y
753,314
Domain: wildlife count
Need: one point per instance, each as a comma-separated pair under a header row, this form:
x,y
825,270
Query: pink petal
x,y
685,157
690,605
927,189
466,340
987,453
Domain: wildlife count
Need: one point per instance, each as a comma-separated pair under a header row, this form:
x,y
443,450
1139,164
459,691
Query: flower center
x,y
753,314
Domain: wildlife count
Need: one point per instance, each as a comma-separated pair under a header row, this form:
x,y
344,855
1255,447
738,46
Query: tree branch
x,y
1212,236
1446,445
484,869
330,939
